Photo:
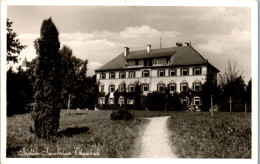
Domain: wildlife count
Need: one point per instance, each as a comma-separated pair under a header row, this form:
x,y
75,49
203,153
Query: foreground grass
x,y
197,135
82,134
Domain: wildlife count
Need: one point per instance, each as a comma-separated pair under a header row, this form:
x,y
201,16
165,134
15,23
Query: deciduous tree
x,y
14,47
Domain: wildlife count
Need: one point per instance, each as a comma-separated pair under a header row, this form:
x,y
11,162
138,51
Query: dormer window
x,y
161,61
197,71
131,63
141,62
112,75
185,71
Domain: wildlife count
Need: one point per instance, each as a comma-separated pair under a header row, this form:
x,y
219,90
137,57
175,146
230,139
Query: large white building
x,y
180,68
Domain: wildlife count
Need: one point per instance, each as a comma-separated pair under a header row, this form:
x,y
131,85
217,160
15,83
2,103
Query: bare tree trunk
x,y
230,104
212,110
68,105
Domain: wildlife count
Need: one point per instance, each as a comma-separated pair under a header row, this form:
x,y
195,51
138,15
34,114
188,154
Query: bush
x,y
156,101
121,115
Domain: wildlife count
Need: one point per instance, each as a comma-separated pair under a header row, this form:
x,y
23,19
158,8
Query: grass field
x,y
82,134
197,135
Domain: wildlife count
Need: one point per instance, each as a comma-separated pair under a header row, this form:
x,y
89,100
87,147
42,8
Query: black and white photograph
x,y
129,81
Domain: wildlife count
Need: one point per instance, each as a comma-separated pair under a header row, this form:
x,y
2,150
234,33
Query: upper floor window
x,y
185,71
184,86
160,87
131,88
103,75
197,71
122,75
197,86
161,73
111,88
131,62
172,87
112,75
131,74
145,87
146,73
172,72
141,62
121,88
102,88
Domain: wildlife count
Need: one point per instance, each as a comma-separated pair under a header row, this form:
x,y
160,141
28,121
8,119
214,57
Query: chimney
x,y
148,48
126,51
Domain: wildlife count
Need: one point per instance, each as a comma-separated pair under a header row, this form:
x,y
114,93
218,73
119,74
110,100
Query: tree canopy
x,y
14,47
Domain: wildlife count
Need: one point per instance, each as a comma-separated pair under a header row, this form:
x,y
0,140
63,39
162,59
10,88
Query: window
x,y
160,87
121,88
103,76
146,73
184,86
122,75
141,62
131,74
196,101
160,73
172,87
197,86
197,71
131,63
111,101
131,88
102,88
130,101
185,101
184,71
145,87
101,100
111,88
172,72
161,61
121,100
112,75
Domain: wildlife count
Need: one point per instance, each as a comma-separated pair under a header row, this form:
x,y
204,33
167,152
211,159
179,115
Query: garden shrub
x,y
121,115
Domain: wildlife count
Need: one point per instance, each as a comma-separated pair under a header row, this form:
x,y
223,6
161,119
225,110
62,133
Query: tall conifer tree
x,y
47,85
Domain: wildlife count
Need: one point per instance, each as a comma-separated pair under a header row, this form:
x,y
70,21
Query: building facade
x,y
178,68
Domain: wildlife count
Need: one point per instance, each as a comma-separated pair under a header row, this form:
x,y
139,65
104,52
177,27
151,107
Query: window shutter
x,y
142,73
180,87
193,87
193,71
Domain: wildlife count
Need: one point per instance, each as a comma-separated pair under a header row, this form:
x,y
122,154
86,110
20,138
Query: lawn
x,y
197,135
82,134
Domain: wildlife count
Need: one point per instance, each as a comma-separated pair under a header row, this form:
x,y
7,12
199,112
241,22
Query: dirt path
x,y
155,140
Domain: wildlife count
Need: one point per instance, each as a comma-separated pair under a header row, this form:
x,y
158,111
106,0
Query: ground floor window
x,y
185,101
121,100
131,88
101,100
196,101
130,101
160,87
111,101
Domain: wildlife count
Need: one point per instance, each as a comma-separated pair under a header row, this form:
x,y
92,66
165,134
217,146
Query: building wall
x,y
153,80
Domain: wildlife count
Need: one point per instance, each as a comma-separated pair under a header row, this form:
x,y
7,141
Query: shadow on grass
x,y
12,151
69,132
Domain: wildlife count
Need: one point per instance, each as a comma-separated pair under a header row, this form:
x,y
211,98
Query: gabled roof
x,y
179,56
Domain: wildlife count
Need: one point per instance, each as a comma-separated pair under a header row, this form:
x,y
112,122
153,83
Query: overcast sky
x,y
100,33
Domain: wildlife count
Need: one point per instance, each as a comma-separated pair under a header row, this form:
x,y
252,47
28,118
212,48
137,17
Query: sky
x,y
100,33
